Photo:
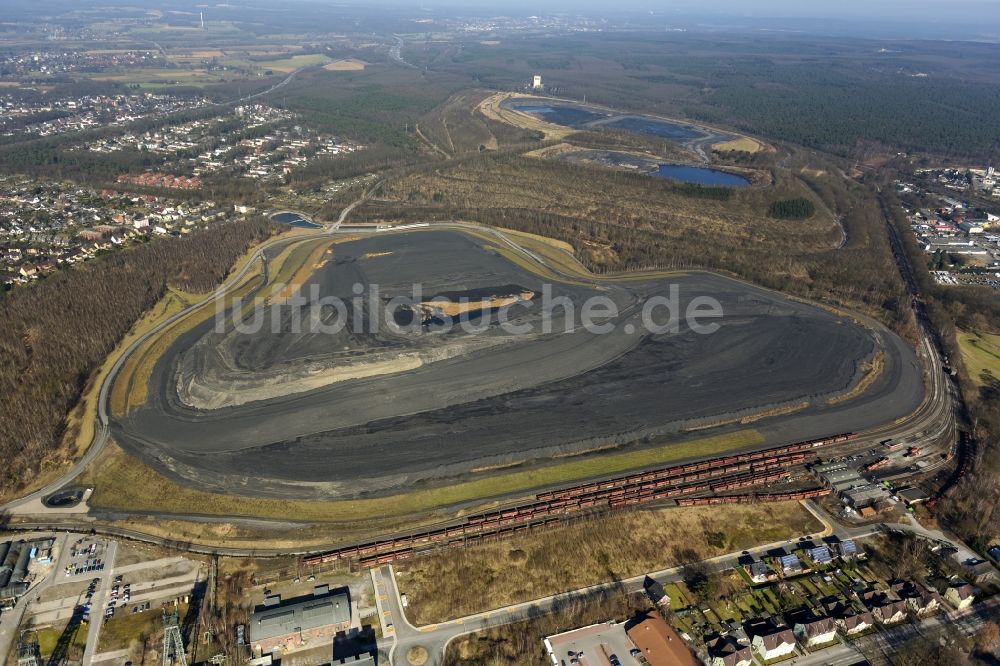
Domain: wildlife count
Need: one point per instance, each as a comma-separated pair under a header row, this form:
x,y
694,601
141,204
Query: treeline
x,y
792,209
835,108
704,191
377,106
57,332
371,159
825,94
49,159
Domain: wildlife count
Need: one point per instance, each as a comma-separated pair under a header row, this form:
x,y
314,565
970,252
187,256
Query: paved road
x,y
925,422
102,425
396,53
113,655
435,638
99,604
884,640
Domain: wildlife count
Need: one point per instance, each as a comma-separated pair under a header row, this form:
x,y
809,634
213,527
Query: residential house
x,y
848,550
791,565
855,623
982,573
884,608
921,601
657,593
820,555
890,611
815,631
774,643
960,594
759,572
727,651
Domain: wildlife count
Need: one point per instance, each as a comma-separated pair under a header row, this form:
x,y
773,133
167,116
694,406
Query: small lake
x,y
568,116
651,127
294,220
699,176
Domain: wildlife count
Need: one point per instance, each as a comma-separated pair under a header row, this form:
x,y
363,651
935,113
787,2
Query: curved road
x,y
102,429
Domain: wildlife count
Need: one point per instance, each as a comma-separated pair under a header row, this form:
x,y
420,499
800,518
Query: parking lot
x,y
597,645
86,556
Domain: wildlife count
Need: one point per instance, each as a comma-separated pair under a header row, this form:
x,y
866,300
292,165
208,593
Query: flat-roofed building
x,y
843,477
829,468
912,495
866,495
301,622
590,640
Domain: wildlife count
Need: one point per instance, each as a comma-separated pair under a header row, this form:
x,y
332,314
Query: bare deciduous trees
x,y
56,333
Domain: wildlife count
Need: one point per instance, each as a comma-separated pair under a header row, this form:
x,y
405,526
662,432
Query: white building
x,y
776,644
960,595
817,631
536,82
858,623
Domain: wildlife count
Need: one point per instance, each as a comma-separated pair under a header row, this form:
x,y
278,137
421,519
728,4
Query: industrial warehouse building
x,y
847,482
301,622
15,562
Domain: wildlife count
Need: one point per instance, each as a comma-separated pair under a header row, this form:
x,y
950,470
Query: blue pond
x,y
700,176
660,128
568,116
294,220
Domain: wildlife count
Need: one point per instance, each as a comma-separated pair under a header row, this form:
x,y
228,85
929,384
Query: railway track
x,y
964,447
683,484
714,475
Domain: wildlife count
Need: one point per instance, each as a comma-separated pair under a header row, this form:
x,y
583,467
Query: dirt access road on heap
x,y
492,399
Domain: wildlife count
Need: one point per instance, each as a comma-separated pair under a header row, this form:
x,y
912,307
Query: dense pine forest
x,y
792,209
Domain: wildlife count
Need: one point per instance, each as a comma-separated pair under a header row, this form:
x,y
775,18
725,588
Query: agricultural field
x,y
288,65
154,78
345,65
